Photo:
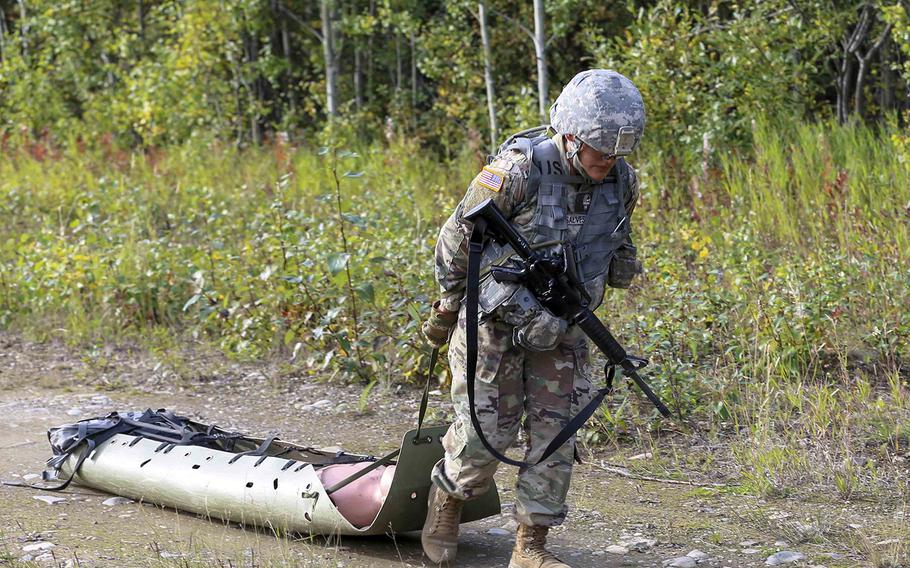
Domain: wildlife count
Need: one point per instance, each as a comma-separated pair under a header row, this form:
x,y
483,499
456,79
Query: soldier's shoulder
x,y
631,176
503,180
504,171
511,160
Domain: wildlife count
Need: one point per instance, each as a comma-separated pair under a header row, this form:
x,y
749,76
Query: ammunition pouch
x,y
542,332
624,267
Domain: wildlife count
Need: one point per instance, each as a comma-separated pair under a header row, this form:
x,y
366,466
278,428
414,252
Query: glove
x,y
439,325
624,266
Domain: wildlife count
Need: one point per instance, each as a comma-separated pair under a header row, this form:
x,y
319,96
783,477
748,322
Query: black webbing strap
x,y
434,356
354,477
260,451
90,443
472,300
421,414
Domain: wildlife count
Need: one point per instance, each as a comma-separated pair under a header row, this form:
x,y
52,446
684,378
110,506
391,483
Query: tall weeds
x,y
791,265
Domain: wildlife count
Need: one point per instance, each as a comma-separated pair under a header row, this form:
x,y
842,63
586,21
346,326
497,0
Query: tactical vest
x,y
605,228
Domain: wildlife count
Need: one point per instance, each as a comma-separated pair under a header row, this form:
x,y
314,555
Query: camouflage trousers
x,y
515,388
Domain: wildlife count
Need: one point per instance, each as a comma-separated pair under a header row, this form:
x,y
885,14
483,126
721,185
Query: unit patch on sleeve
x,y
491,179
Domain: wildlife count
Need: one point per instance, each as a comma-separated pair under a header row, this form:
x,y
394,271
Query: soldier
x,y
571,189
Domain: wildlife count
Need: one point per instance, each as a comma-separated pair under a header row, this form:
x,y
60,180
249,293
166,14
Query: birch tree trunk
x,y
286,51
846,75
251,47
327,13
2,34
23,28
398,71
859,102
413,70
369,93
540,47
358,87
488,74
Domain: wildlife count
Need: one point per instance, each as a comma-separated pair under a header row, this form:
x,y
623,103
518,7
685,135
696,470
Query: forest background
x,y
268,177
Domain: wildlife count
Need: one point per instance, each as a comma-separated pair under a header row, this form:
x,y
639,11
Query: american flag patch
x,y
490,179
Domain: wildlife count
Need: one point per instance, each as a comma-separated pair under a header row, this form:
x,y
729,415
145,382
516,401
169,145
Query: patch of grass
x,y
772,307
892,552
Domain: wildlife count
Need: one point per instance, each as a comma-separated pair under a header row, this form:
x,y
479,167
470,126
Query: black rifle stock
x,y
546,278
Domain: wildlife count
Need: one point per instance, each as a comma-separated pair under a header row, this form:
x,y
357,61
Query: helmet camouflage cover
x,y
603,109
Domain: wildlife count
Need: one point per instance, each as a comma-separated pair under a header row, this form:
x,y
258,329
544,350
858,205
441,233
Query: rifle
x,y
552,281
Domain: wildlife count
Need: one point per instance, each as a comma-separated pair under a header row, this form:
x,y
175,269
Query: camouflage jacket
x,y
452,245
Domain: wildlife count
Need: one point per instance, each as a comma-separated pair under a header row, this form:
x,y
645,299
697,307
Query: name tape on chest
x,y
491,179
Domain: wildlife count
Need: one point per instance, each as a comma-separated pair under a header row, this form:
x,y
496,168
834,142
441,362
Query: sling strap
x,y
421,414
475,249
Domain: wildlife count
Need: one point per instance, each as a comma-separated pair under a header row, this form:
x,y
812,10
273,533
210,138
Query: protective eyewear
x,y
625,144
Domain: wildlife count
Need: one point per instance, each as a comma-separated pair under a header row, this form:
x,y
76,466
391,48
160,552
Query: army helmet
x,y
603,109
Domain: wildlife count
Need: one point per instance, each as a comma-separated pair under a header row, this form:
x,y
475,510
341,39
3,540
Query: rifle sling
x,y
475,248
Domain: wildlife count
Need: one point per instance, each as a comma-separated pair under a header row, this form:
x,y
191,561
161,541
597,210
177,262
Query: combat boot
x,y
440,531
530,551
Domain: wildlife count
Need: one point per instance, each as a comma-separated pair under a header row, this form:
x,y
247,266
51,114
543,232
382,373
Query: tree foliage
x,y
152,72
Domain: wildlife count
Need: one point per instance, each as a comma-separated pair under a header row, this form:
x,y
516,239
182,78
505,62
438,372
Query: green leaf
x,y
191,301
365,396
354,219
338,261
333,313
414,313
339,279
365,291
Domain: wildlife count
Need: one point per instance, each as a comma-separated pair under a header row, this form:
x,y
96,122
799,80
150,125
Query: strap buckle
x,y
609,375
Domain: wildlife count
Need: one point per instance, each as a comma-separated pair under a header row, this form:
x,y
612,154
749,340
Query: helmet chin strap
x,y
571,153
572,157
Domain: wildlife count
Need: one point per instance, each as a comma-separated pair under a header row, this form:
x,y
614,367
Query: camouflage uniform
x,y
546,387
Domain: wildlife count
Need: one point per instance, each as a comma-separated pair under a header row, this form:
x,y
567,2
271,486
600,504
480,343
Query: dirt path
x,y
43,386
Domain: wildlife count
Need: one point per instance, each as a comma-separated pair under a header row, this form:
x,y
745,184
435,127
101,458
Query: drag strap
x,y
472,301
90,443
421,414
434,356
357,475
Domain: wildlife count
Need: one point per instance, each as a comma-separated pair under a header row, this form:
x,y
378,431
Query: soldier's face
x,y
596,164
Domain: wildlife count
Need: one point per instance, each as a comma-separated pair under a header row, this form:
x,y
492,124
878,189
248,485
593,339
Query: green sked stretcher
x,y
186,465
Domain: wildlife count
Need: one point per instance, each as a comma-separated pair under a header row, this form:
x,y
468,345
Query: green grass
x,y
773,306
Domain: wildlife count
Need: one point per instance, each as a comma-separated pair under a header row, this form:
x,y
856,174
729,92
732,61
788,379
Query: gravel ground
x,y
614,520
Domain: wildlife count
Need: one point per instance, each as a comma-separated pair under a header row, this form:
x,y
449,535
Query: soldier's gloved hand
x,y
623,268
439,325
